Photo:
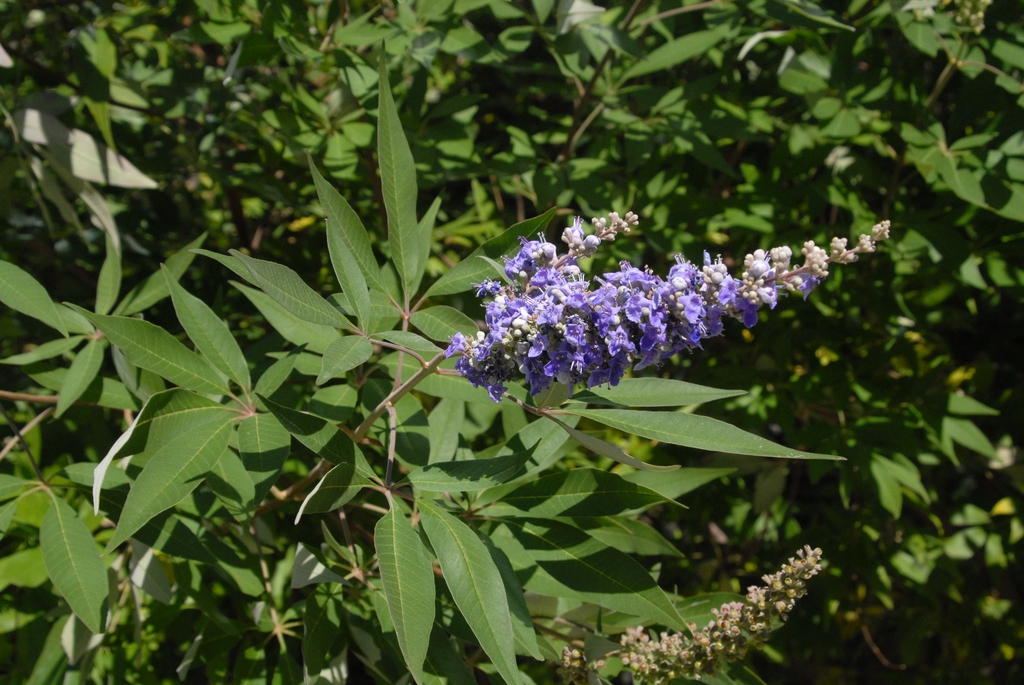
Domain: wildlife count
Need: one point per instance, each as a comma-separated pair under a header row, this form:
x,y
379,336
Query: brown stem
x,y
25,397
878,653
396,395
24,431
28,451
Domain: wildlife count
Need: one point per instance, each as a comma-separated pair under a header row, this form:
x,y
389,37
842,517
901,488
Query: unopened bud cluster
x,y
549,325
736,627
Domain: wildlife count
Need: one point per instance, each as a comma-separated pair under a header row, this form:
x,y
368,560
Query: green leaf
x,y
816,14
230,482
322,623
603,575
334,490
843,125
210,335
314,336
968,406
151,347
653,392
475,268
690,430
342,355
443,665
73,563
109,285
291,292
83,371
11,485
675,52
466,476
104,392
278,372
581,492
230,262
522,621
961,181
321,437
411,341
21,292
263,444
475,584
348,243
408,580
154,288
47,350
677,483
398,185
425,230
174,470
442,322
606,449
627,535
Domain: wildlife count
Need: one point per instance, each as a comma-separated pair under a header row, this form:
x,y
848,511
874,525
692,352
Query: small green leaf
x,y
442,322
151,347
11,486
109,283
408,580
475,268
322,626
690,430
334,490
653,392
580,492
175,470
398,185
316,337
230,482
154,288
425,231
606,449
73,563
411,341
21,292
278,372
83,371
47,350
342,355
466,476
210,335
263,444
291,292
968,406
675,52
475,584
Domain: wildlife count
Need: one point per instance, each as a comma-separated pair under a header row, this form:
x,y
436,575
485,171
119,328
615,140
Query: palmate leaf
x,y
175,470
603,575
408,586
690,430
398,186
475,584
151,347
73,563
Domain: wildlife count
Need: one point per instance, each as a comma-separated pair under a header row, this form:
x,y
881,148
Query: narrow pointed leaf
x,y
334,490
677,483
316,337
408,586
522,621
73,563
47,350
109,283
154,288
442,322
230,262
231,484
83,371
581,492
606,449
603,575
425,232
263,444
475,584
347,240
474,268
175,470
291,292
443,665
653,392
690,430
19,291
210,335
398,185
151,347
467,476
278,372
344,354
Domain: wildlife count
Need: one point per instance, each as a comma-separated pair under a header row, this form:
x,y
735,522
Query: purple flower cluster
x,y
550,324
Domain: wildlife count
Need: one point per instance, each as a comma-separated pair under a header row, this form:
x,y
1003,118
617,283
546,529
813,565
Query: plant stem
x,y
24,430
396,395
392,435
20,436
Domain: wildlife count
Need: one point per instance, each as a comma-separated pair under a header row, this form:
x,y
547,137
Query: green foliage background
x,y
727,126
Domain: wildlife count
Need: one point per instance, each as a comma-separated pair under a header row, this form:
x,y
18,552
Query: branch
x,y
24,431
395,395
21,438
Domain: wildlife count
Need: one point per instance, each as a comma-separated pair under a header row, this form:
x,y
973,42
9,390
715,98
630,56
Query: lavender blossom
x,y
552,325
